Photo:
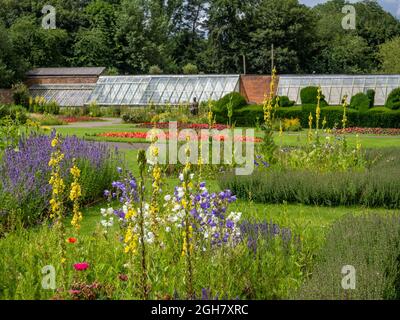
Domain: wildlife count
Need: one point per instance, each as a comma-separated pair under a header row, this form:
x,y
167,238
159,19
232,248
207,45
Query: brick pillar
x,y
255,87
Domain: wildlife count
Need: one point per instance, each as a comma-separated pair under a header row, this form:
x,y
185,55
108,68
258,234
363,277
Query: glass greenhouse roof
x,y
334,87
161,89
66,95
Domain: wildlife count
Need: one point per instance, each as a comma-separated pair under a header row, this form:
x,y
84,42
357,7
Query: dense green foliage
x,y
369,243
308,95
14,112
373,118
130,36
220,109
371,97
377,186
393,100
360,102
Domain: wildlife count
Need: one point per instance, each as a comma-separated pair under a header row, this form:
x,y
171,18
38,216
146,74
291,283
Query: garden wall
x,y
254,87
6,96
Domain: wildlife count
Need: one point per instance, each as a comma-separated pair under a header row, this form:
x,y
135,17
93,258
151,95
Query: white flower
x,y
191,176
167,197
110,211
181,176
168,229
206,235
125,209
103,212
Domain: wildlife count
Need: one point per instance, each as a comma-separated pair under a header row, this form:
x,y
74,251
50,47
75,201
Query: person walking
x,y
194,107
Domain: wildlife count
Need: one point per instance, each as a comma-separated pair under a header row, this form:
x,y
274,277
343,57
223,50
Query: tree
x,y
92,49
229,24
37,46
290,27
389,56
12,67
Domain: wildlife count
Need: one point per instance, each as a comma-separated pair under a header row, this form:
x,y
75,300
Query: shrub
x,y
220,108
284,102
190,69
20,94
308,95
360,102
14,112
51,120
371,97
139,115
94,110
393,100
52,108
377,186
371,244
155,70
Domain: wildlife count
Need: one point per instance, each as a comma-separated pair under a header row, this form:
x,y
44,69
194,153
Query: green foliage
x,y
390,61
155,70
376,186
139,115
220,108
308,95
14,112
369,243
190,69
94,110
360,102
20,94
52,107
393,100
371,97
284,102
50,120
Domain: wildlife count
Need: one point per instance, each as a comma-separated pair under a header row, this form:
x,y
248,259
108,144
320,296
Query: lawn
x,y
287,138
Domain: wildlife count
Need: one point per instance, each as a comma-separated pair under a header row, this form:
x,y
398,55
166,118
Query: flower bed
x,y
383,131
180,125
25,171
73,119
168,136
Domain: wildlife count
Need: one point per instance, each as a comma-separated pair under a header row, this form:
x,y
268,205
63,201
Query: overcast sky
x,y
393,6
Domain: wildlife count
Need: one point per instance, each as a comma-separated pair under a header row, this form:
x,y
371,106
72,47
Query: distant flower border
x,y
358,130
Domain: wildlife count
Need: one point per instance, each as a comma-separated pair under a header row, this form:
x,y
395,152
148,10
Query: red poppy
x,y
72,240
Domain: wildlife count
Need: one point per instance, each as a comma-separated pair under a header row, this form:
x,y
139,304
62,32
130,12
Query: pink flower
x,y
74,292
81,266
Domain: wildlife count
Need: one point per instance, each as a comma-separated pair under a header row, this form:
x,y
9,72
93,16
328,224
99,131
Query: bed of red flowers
x,y
357,130
181,125
168,136
72,119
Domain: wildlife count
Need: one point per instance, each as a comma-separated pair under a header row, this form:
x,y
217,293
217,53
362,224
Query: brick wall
x,y
6,96
60,80
254,87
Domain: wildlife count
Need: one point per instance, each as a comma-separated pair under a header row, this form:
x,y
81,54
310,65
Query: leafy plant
x,y
393,100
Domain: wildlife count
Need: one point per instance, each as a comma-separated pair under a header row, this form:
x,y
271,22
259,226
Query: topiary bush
x,y
220,108
308,95
284,102
371,97
190,69
393,100
360,102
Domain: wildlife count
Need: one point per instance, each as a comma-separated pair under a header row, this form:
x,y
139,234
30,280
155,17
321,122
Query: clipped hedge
x,y
371,97
220,108
308,95
393,100
360,102
376,117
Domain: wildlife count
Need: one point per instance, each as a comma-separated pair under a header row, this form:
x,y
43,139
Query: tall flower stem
x,y
142,165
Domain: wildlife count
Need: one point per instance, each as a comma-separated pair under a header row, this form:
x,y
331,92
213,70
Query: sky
x,y
392,6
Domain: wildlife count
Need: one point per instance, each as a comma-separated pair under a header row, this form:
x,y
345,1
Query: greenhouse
x,y
65,95
161,89
334,87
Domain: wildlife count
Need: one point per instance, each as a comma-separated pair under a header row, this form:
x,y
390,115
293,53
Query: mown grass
x,y
287,139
